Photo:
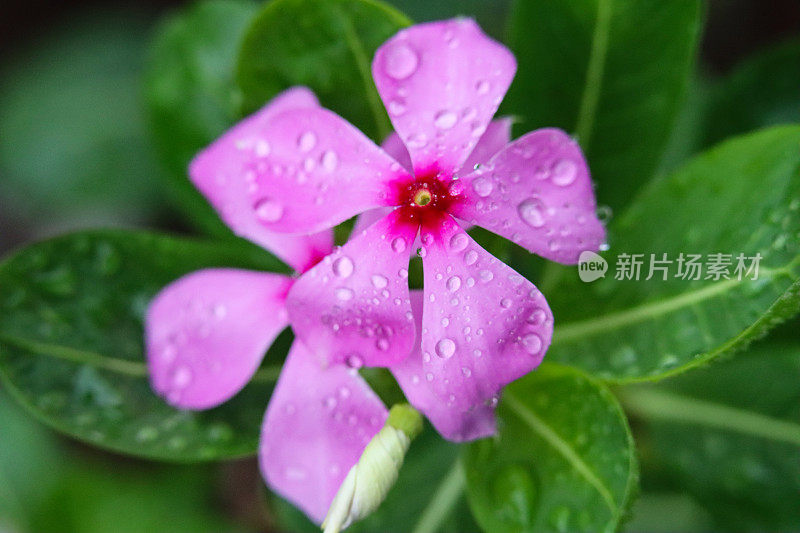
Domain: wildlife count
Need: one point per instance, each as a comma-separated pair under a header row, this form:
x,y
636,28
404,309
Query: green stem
x,y
663,405
445,498
594,74
365,71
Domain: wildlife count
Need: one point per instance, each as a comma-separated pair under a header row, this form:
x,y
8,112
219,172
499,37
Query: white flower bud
x,y
369,481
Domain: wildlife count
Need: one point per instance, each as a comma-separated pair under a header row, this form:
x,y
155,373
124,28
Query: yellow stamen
x,y
423,197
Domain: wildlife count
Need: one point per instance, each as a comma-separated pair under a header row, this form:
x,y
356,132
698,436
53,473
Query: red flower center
x,y
426,198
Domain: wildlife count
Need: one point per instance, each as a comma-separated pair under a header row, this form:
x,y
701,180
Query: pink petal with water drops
x,y
483,324
538,193
441,83
353,307
207,333
224,171
496,137
318,171
453,423
318,423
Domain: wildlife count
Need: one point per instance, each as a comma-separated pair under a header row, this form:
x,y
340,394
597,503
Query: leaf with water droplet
x,y
608,93
71,348
326,45
630,330
728,436
564,453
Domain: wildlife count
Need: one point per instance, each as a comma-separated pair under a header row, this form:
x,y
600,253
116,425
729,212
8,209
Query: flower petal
x,y
538,193
496,137
393,145
441,83
318,423
353,307
483,324
207,333
454,423
220,172
314,171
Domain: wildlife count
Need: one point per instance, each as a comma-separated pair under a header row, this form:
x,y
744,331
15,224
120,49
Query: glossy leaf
x,y
761,91
191,95
563,460
71,312
326,45
742,197
613,73
729,436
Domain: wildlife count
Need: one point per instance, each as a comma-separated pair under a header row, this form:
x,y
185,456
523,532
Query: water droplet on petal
x,y
445,348
262,148
444,120
343,267
329,160
456,187
483,87
532,343
505,303
483,186
564,172
399,244
379,282
470,257
382,344
268,210
354,361
344,294
454,283
530,211
182,377
396,108
486,275
307,141
537,317
400,61
458,242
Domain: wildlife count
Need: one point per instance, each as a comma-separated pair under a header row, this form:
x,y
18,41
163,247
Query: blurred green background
x,y
75,152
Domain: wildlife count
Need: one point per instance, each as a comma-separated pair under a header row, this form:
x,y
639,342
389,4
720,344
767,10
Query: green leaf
x,y
728,435
613,72
427,497
564,459
71,313
667,513
761,91
191,95
104,495
63,162
48,487
26,470
326,45
742,197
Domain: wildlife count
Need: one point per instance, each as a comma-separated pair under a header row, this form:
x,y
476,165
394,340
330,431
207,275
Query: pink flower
x,y
286,175
483,325
207,333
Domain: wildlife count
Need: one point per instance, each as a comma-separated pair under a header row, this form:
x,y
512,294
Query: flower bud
x,y
369,481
